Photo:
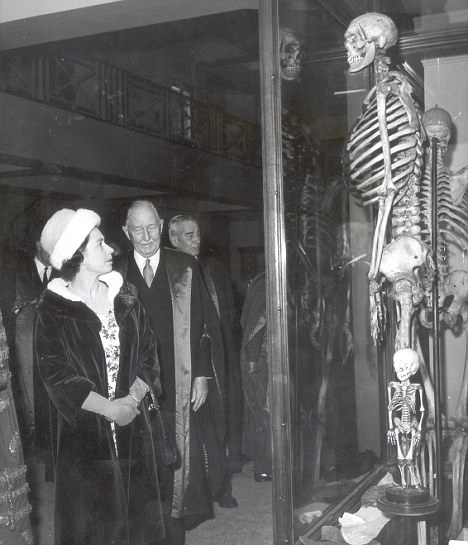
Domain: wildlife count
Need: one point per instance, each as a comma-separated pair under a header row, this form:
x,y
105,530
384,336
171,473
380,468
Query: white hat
x,y
65,231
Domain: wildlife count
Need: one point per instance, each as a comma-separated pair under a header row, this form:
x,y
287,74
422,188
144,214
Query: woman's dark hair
x,y
71,267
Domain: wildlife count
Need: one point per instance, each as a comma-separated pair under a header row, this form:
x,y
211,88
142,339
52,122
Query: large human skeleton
x,y
452,220
383,154
382,164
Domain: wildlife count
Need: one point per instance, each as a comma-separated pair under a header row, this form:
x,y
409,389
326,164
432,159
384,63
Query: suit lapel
x,y
134,275
36,281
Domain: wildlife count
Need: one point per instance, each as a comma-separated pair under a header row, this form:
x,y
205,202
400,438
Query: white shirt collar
x,y
41,267
141,261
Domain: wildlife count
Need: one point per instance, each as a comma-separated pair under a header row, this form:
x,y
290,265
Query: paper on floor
x,y
363,526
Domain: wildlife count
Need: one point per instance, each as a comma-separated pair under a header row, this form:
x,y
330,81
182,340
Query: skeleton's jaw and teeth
x,y
290,71
358,59
364,35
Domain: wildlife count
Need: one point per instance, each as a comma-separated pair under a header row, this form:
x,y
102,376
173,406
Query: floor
x,y
249,523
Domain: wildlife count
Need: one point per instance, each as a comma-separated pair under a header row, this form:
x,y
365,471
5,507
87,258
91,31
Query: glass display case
x,y
366,234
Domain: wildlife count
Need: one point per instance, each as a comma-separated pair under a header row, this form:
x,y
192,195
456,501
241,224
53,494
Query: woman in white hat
x,y
97,357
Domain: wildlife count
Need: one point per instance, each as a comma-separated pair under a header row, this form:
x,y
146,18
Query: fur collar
x,y
112,280
59,300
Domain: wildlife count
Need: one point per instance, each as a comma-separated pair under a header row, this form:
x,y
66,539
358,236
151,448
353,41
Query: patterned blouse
x,y
110,341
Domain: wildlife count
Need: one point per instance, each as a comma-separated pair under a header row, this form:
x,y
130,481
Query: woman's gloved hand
x,y
121,411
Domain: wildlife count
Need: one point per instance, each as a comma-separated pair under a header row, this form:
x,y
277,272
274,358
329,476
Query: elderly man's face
x,y
187,237
143,229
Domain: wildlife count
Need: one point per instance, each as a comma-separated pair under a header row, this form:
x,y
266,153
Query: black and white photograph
x,y
233,272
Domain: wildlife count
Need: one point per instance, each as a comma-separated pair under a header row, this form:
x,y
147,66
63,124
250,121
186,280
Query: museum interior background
x,y
107,102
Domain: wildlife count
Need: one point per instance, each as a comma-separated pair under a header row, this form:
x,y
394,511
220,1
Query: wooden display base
x,y
407,502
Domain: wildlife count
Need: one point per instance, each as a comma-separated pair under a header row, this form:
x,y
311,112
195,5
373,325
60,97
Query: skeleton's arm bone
x,y
391,437
422,408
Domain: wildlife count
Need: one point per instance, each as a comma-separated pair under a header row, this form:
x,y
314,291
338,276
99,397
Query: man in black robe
x,y
184,234
171,289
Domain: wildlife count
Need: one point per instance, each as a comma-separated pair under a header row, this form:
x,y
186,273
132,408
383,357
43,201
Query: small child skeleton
x,y
405,431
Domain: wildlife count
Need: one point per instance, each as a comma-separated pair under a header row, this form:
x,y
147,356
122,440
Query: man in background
x,y
171,289
184,235
33,274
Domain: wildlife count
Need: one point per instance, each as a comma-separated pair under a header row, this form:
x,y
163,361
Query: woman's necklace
x,y
97,297
98,303
90,299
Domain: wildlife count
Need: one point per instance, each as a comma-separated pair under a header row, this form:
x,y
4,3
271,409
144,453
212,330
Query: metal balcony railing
x,y
99,90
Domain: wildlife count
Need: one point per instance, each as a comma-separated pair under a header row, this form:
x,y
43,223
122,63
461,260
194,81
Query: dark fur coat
x,y
101,497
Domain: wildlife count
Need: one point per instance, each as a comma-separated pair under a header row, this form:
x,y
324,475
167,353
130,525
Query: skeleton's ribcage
x,y
452,220
363,158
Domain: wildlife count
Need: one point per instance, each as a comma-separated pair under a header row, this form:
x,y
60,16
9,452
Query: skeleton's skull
x,y
365,35
405,363
290,54
438,124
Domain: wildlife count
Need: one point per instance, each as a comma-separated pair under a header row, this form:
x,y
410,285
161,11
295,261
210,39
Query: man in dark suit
x,y
171,289
184,234
33,274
